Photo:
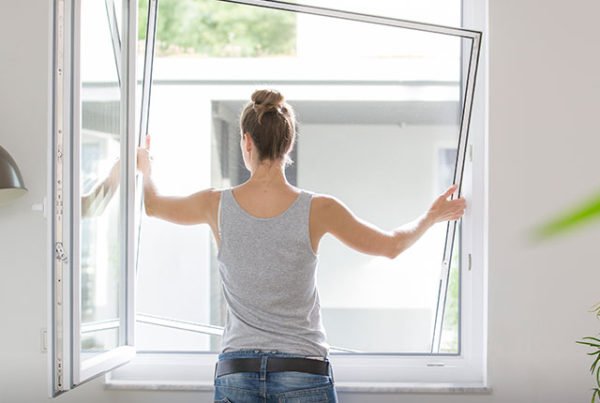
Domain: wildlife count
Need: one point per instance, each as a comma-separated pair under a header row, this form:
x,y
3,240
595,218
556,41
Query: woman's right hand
x,y
444,209
144,160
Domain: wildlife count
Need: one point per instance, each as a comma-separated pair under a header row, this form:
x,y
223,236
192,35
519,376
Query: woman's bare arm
x,y
332,216
197,208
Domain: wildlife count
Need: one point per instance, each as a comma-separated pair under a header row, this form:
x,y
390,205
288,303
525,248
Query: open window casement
x,y
93,169
96,204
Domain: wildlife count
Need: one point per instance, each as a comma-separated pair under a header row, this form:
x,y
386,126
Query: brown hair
x,y
271,123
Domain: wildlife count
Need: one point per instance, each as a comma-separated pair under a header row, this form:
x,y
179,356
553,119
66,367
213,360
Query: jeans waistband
x,y
263,353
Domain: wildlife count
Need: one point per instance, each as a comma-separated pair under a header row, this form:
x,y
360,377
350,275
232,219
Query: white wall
x,y
23,132
543,145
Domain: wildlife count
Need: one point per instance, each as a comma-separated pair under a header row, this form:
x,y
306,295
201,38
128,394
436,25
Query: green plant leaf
x,y
581,214
593,369
594,342
596,309
585,343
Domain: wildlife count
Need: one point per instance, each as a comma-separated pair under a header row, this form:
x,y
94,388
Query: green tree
x,y
213,28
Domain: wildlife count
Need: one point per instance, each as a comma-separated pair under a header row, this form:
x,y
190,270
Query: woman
x,y
268,234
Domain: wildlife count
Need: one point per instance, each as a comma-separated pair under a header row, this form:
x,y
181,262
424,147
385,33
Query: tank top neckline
x,y
239,207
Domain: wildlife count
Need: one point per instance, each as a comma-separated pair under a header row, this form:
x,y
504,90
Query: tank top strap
x,y
224,209
304,202
227,202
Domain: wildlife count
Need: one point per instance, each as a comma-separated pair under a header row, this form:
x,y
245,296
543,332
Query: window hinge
x,y
469,261
61,255
59,374
470,152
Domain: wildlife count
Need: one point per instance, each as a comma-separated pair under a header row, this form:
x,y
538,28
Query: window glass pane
x,y
161,338
450,340
118,9
102,216
142,24
96,341
441,12
378,110
214,29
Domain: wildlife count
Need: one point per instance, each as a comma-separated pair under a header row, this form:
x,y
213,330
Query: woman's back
x,y
268,270
264,200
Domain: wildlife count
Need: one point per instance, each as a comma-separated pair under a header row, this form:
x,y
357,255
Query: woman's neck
x,y
268,174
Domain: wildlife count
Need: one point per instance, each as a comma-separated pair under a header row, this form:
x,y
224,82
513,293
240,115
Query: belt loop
x,y
263,367
215,374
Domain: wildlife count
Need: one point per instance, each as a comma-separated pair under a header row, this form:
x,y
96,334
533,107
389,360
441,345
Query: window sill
x,y
344,387
194,372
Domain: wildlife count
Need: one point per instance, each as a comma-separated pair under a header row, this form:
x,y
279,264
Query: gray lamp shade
x,y
11,182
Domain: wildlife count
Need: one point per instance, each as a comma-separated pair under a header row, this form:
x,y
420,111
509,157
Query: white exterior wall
x,y
543,156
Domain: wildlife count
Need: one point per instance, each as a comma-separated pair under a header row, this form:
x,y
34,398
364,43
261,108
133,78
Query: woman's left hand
x,y
444,209
144,160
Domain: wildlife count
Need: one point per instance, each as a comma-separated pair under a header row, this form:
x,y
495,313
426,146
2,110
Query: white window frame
x,y
441,373
68,367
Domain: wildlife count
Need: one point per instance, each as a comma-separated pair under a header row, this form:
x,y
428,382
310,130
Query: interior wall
x,y
543,158
542,145
24,102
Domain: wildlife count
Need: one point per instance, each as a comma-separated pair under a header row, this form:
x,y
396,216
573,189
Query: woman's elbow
x,y
393,253
395,248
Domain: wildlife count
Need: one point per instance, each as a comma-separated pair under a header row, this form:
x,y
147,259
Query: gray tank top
x,y
268,270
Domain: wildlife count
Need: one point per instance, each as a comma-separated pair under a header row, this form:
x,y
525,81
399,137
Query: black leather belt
x,y
274,364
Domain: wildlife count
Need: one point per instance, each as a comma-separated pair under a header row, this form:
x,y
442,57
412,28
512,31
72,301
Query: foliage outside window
x,y
213,29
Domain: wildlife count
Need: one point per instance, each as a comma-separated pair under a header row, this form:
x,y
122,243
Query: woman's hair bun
x,y
271,123
266,101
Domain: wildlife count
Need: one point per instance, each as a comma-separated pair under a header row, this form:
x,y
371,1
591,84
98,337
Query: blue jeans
x,y
272,387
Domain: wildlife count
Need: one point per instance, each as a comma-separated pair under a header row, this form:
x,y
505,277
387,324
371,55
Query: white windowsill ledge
x,y
361,387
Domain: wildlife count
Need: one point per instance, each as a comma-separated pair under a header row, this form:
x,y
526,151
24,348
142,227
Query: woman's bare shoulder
x,y
207,198
214,194
322,204
323,199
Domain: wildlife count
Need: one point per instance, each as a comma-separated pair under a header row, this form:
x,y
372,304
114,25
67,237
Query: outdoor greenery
x,y
450,328
213,28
